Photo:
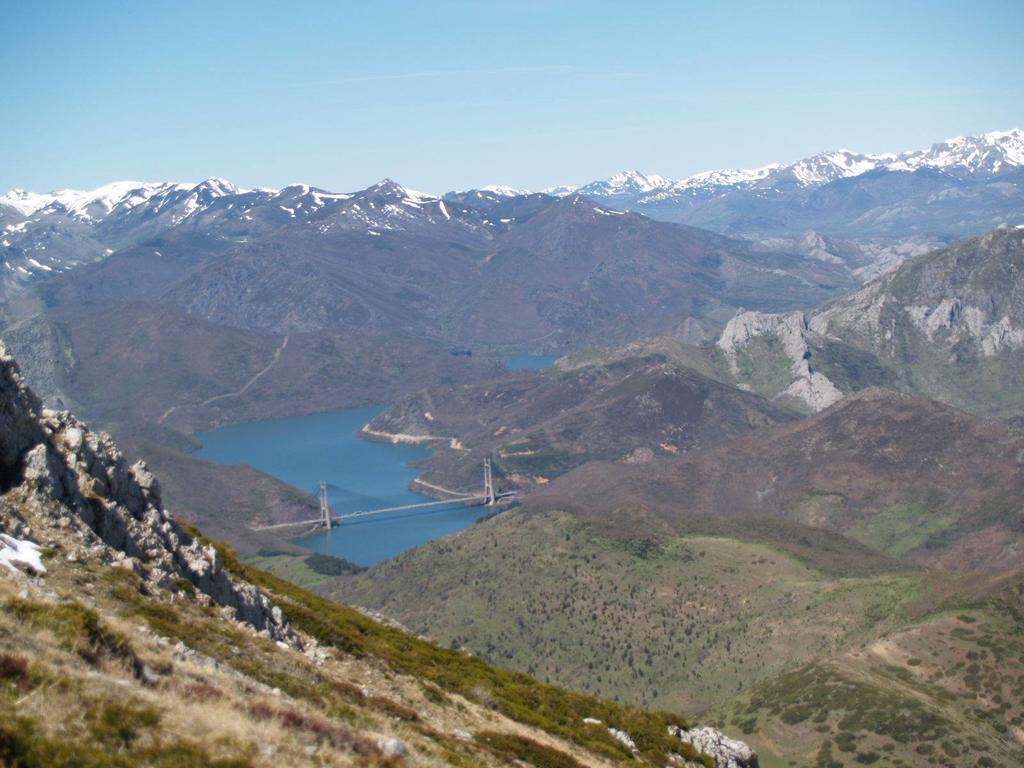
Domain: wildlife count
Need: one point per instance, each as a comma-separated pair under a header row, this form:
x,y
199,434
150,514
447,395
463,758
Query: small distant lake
x,y
519,362
361,475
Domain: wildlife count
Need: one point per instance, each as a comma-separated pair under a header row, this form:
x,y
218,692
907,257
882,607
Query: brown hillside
x,y
905,475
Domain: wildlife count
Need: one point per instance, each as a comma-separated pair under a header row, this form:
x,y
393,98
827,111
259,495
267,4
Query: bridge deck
x,y
472,500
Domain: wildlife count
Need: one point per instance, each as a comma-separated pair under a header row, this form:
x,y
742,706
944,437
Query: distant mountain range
x,y
956,188
960,187
528,270
990,154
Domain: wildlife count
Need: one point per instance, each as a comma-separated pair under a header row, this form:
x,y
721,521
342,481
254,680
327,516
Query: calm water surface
x,y
361,475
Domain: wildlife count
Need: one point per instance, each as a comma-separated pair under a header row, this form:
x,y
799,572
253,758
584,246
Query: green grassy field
x,y
763,366
902,528
682,623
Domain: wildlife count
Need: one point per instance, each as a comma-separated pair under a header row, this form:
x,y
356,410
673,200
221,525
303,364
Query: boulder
x,y
726,752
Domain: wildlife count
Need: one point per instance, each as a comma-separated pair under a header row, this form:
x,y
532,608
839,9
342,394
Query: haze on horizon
x,y
453,94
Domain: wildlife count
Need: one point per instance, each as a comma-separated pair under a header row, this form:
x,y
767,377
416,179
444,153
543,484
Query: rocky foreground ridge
x,y
52,462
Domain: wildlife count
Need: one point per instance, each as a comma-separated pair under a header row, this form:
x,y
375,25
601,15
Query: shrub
x,y
25,745
328,565
511,747
118,724
78,628
15,670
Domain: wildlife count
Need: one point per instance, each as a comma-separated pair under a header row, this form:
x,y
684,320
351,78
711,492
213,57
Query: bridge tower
x,y
325,510
489,497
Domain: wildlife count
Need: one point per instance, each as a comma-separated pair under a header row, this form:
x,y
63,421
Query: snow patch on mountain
x,y
559,190
20,553
625,183
90,205
502,190
731,177
989,153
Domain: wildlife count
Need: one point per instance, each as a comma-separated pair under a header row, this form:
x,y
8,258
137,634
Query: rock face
x,y
811,387
52,464
727,753
948,325
970,293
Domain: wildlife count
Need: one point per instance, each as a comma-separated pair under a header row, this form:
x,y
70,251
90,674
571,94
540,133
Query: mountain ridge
x,y
987,152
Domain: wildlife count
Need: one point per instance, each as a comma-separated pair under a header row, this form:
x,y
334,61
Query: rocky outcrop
x,y
54,467
745,326
948,325
811,387
726,752
874,317
968,293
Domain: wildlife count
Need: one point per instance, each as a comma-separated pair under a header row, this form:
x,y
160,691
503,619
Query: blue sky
x,y
451,94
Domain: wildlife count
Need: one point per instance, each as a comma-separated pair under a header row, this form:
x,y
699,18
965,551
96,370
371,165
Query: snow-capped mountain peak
x,y
990,152
829,166
216,187
503,190
391,188
90,205
24,202
559,190
710,180
635,179
626,183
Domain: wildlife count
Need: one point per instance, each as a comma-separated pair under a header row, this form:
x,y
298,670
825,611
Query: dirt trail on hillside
x,y
238,393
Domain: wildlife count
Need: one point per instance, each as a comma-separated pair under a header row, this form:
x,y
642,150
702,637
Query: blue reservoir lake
x,y
361,475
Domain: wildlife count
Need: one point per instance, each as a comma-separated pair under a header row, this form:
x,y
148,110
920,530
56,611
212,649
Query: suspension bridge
x,y
328,520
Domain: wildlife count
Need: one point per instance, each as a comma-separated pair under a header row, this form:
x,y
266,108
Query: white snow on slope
x,y
729,177
969,152
988,152
829,166
502,190
419,197
991,152
626,183
91,204
15,553
560,190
